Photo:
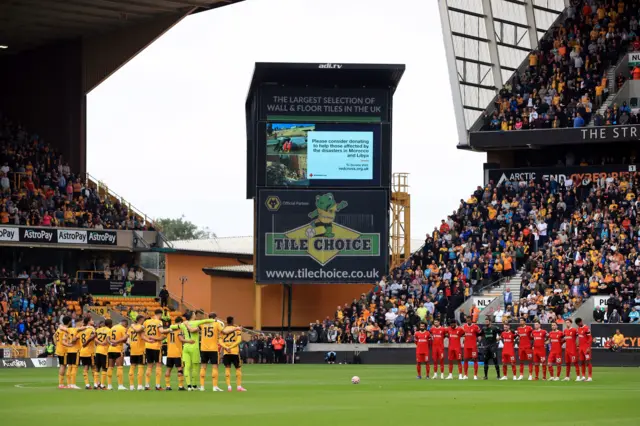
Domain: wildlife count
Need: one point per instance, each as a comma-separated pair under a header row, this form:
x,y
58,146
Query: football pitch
x,y
323,395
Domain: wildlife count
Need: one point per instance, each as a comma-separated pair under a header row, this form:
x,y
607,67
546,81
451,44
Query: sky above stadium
x,y
167,130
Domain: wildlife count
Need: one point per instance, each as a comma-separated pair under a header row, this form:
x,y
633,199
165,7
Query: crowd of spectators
x,y
38,188
30,313
566,80
109,271
570,241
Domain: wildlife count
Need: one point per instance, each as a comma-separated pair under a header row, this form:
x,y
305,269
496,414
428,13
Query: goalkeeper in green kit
x,y
191,351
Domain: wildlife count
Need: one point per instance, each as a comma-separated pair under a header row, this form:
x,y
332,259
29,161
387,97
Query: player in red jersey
x,y
570,350
437,348
555,354
471,333
508,338
524,347
422,338
454,333
540,350
584,350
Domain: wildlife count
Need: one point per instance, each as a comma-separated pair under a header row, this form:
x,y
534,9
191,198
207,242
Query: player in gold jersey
x,y
102,349
175,339
73,345
209,342
137,342
230,342
153,348
87,353
116,356
60,337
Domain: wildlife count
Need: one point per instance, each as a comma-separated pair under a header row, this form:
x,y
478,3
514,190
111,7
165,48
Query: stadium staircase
x,y
611,85
513,284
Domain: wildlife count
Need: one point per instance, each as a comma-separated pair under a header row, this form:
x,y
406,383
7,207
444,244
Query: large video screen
x,y
322,154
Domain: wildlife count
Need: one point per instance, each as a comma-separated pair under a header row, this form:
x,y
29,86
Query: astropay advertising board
x,y
322,236
57,236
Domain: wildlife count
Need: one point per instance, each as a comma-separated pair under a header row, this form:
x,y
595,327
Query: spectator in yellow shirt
x,y
617,341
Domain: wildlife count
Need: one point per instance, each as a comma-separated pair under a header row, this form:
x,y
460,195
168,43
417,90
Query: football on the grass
x,y
355,380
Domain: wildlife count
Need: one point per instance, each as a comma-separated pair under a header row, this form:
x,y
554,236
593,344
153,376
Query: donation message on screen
x,y
340,155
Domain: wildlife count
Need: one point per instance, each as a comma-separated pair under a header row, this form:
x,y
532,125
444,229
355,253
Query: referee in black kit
x,y
490,333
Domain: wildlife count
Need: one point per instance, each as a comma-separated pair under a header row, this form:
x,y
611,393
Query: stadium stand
x,y
38,188
29,313
567,77
570,241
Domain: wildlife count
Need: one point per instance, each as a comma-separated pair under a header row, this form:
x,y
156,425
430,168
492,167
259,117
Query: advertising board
x,y
322,236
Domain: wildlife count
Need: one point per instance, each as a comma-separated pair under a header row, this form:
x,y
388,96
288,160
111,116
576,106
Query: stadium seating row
x,y
38,188
570,242
566,80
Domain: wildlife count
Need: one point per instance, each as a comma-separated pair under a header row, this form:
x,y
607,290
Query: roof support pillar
x,y
493,47
531,22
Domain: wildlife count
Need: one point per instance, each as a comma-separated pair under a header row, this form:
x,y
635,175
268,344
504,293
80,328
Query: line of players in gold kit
x,y
191,346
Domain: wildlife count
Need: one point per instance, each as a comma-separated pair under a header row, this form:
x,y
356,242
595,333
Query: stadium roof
x,y
237,271
225,245
27,24
486,41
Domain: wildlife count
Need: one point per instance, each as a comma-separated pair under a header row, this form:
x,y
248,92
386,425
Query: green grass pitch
x,y
310,395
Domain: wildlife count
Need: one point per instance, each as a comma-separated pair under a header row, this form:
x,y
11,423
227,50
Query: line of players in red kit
x,y
532,350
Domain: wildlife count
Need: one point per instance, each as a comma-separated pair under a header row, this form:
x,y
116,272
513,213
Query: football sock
x,y
544,371
577,369
158,375
521,369
109,375
194,373
85,376
559,369
68,375
513,367
167,380
584,369
427,368
475,368
459,367
60,379
450,367
530,369
103,380
96,377
120,374
486,369
140,374
590,368
238,377
180,380
147,377
568,368
466,367
419,369
537,371
74,374
132,375
214,376
504,370
227,376
497,370
187,371
442,365
203,373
